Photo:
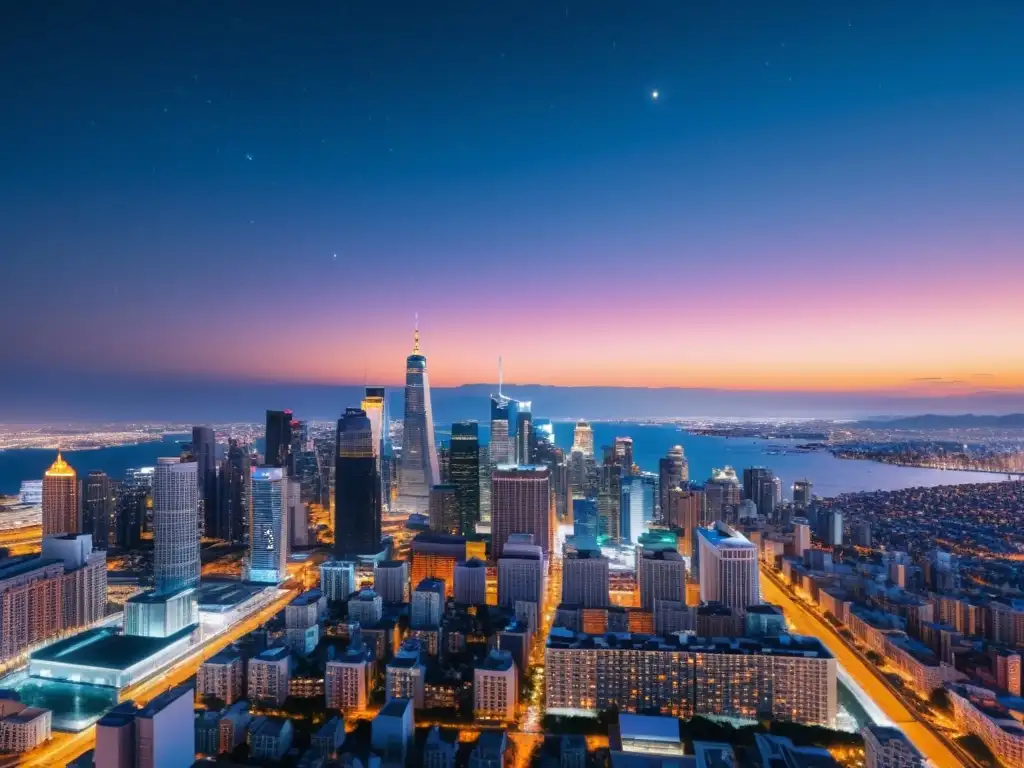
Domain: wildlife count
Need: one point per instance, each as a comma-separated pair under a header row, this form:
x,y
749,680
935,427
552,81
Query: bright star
x,y
654,95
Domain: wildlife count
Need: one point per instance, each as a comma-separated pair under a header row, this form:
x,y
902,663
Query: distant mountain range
x,y
33,397
964,421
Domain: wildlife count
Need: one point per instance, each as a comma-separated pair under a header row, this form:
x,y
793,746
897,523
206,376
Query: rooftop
x,y
26,715
16,566
723,536
227,656
497,661
395,708
649,728
308,597
105,649
274,654
784,645
165,699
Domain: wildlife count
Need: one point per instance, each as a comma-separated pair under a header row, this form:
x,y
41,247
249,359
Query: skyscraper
x,y
175,525
357,488
444,510
520,503
673,471
624,453
60,499
802,491
204,449
268,526
131,514
583,439
728,568
375,406
279,439
685,511
98,508
501,444
723,493
465,472
232,492
636,507
419,454
759,487
524,433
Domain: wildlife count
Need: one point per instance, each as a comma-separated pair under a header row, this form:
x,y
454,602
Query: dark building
x,y
444,509
759,487
673,471
131,515
279,439
204,451
444,465
357,503
465,473
585,520
232,492
98,510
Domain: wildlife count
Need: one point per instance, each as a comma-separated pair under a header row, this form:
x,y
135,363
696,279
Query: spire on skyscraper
x,y
416,336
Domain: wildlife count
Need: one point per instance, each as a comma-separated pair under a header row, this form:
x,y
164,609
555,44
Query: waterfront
x,y
831,476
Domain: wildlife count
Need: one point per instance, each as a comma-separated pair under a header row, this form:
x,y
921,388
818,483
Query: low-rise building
x,y
889,748
270,675
270,738
995,720
25,730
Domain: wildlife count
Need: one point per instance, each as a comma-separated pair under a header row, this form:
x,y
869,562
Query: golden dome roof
x,y
60,468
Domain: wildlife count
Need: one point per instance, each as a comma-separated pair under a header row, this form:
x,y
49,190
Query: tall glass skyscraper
x,y
465,474
501,443
98,508
279,439
357,488
204,449
524,432
419,453
268,526
175,525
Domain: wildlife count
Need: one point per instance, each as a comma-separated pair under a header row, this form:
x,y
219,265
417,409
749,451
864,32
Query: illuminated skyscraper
x,y
759,487
501,444
723,494
60,499
279,439
636,506
484,453
233,494
728,568
419,454
673,471
524,432
268,526
583,439
375,407
98,508
204,449
465,474
357,488
175,525
624,453
444,509
802,492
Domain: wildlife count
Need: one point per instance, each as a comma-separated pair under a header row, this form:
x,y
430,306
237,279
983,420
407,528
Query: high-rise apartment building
x,y
31,603
484,454
673,472
84,589
348,681
585,579
583,439
279,439
98,506
165,731
427,604
465,474
728,568
496,688
222,677
204,451
419,452
357,488
337,579
444,509
520,503
784,678
391,581
269,676
175,525
60,499
801,536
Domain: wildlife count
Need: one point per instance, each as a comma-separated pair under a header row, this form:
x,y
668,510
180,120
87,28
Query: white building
x,y
268,534
175,525
728,568
269,676
889,748
496,688
221,677
165,735
152,614
25,730
337,579
521,575
391,581
348,681
801,536
427,604
85,578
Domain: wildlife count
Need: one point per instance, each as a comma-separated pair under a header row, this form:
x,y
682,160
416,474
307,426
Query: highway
x,y
805,622
65,747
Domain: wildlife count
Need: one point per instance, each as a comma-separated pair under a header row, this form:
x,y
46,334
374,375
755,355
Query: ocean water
x,y
831,476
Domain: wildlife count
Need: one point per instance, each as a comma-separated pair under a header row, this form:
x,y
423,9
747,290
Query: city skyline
x,y
838,181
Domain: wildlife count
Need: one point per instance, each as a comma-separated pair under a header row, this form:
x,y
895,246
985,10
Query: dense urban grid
x,y
362,593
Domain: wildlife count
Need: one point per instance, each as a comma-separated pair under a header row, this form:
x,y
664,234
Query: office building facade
x,y
60,499
728,568
520,503
357,489
176,562
465,474
204,451
268,526
98,507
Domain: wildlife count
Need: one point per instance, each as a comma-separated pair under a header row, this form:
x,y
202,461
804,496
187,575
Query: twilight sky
x,y
823,195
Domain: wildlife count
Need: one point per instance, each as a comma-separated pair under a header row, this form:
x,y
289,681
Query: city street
x,y
804,622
